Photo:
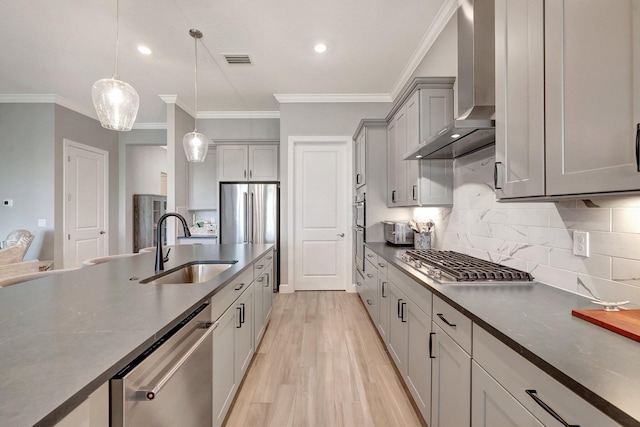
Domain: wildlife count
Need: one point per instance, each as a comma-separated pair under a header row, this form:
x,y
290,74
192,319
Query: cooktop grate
x,y
466,268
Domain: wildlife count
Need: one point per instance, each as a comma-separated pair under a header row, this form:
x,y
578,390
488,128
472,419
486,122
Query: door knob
x,y
340,234
103,232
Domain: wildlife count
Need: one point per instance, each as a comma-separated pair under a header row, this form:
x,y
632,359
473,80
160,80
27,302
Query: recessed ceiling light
x,y
144,50
320,48
418,156
455,135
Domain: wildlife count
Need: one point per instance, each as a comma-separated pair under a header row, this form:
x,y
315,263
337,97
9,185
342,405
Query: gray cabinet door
x,y
451,382
392,166
413,113
383,307
493,406
397,344
360,159
592,91
244,339
520,143
267,296
263,162
233,162
224,376
401,148
418,377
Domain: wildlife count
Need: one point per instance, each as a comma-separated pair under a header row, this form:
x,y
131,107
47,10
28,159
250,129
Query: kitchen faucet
x,y
159,256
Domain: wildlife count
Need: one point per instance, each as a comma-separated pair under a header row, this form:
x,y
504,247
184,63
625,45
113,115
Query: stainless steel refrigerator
x,y
250,213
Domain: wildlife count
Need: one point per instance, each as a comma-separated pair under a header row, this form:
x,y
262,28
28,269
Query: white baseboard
x,y
286,289
351,288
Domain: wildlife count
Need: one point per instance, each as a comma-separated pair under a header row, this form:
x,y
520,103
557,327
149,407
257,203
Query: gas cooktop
x,y
455,267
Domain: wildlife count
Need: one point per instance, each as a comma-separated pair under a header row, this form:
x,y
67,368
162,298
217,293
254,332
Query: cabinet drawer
x,y
371,256
227,295
517,375
262,263
370,274
417,293
454,323
383,266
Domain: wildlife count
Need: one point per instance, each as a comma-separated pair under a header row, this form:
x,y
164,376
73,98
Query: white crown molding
x,y
149,126
332,97
447,10
173,99
239,115
47,99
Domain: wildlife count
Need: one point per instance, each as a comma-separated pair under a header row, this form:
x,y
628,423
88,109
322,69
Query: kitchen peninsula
x,y
64,336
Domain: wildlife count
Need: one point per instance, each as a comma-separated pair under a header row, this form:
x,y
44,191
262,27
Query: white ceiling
x,y
61,47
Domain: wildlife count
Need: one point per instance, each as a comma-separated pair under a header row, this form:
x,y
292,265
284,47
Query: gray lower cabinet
x,y
418,375
93,412
397,344
263,297
383,306
509,390
225,382
451,387
245,340
493,406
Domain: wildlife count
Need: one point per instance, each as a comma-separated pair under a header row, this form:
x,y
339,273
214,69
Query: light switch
x,y
7,202
42,223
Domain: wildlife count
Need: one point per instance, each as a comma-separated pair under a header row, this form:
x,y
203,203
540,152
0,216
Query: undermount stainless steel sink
x,y
193,272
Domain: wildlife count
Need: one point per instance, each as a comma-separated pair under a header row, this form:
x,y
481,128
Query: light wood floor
x,y
321,364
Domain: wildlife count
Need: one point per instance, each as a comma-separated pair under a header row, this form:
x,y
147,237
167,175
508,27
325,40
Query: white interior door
x,y
320,216
86,203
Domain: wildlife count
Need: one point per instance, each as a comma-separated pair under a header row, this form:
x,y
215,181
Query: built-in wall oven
x,y
359,224
170,384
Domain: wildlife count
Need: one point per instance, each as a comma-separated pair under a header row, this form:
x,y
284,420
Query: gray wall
x,y
241,129
85,130
179,123
27,173
316,119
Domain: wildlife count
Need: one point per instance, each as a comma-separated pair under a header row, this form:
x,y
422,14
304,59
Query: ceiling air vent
x,y
237,58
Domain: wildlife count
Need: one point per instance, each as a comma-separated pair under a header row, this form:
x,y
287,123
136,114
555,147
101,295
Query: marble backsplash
x,y
537,236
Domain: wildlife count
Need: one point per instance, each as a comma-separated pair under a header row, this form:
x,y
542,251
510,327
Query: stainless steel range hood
x,y
475,127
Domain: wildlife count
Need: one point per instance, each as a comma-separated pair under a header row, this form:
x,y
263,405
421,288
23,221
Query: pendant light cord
x,y
115,74
195,96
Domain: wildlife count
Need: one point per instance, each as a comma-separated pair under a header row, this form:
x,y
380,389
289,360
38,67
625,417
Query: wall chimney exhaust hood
x,y
475,128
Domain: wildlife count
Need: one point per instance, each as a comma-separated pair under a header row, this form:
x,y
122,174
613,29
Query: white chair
x,y
100,260
14,280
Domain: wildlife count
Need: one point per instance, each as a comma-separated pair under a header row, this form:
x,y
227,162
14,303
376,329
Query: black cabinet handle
x,y
547,408
383,293
399,303
239,287
431,334
402,312
393,196
441,316
239,317
495,175
358,176
413,192
242,314
638,147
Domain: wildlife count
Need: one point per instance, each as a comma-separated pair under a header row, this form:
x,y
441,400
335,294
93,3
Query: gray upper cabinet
x,y
360,160
248,162
425,107
520,162
584,58
203,183
592,95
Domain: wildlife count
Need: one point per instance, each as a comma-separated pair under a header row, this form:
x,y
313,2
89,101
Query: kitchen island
x,y
535,321
64,336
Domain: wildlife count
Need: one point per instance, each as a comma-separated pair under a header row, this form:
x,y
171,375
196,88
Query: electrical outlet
x,y
581,243
42,223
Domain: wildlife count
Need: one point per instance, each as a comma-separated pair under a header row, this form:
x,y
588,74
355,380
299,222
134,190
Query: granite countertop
x,y
535,320
63,336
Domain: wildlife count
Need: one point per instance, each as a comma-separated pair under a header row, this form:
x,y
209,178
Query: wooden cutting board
x,y
623,322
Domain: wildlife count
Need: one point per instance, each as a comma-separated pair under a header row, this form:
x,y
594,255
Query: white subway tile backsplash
x,y
595,265
537,236
556,277
607,290
625,220
589,219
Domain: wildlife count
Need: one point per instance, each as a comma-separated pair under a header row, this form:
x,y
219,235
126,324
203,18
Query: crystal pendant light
x,y
195,144
115,101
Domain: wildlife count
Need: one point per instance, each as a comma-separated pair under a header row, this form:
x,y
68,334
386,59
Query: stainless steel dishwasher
x,y
170,383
